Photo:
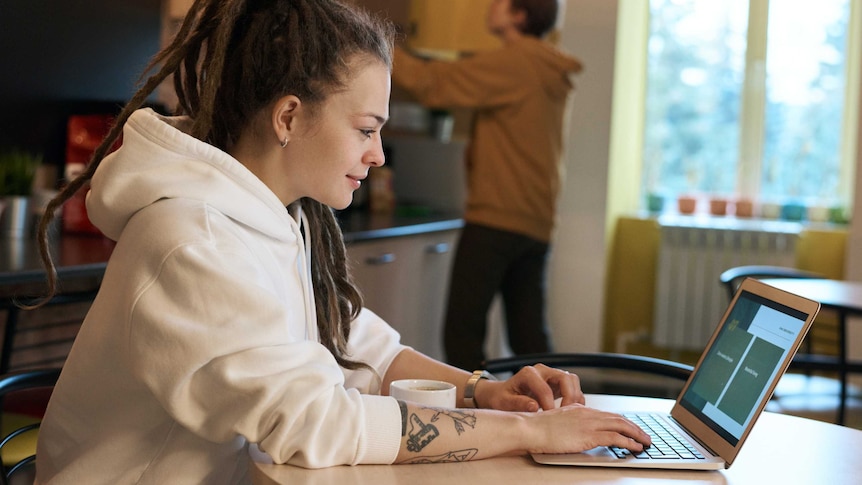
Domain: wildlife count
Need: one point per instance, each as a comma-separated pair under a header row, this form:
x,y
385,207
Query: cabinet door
x,y
405,280
381,271
435,252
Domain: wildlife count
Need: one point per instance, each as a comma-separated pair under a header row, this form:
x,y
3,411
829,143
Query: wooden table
x,y
781,449
845,298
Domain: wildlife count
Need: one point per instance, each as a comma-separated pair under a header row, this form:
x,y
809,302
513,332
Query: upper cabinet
x,y
438,28
434,27
444,28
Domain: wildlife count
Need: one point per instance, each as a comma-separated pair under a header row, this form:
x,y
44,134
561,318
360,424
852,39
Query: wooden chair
x,y
608,373
17,447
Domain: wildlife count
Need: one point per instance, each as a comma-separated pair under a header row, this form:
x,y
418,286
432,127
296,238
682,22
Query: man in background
x,y
519,93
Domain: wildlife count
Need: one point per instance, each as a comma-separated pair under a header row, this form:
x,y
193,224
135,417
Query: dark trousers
x,y
488,261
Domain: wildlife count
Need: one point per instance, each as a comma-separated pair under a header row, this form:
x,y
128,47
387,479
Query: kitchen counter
x,y
75,257
85,256
362,226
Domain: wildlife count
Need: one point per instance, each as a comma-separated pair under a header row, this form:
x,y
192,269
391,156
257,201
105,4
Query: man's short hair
x,y
541,16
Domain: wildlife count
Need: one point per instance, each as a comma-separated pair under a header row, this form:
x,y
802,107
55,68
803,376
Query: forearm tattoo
x,y
403,406
450,457
420,434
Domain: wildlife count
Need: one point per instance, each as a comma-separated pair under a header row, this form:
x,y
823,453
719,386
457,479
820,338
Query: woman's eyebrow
x,y
380,119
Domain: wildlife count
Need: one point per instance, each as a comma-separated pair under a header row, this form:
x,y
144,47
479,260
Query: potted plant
x,y
17,172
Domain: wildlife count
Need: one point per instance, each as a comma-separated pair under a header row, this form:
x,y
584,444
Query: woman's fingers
x,y
578,428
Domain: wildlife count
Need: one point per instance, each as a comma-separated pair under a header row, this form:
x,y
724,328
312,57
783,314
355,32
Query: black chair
x,y
606,372
732,277
12,383
11,306
807,360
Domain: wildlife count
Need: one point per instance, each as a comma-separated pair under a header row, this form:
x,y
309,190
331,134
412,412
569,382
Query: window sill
x,y
732,223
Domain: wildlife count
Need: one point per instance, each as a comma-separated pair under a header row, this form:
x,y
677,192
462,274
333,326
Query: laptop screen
x,y
742,362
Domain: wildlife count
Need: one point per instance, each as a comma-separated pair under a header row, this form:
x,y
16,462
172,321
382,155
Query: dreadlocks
x,y
234,57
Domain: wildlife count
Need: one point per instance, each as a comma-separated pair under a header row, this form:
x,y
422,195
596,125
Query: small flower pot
x,y
744,208
818,213
793,211
838,215
718,207
770,210
655,202
686,204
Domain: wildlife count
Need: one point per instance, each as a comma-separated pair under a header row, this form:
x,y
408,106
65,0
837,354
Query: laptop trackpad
x,y
599,454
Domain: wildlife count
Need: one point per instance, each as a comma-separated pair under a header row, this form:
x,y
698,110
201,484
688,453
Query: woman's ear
x,y
284,118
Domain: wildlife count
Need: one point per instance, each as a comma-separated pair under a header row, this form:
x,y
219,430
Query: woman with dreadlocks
x,y
227,319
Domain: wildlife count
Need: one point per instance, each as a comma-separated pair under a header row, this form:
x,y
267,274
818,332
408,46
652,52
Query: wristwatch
x,y
470,388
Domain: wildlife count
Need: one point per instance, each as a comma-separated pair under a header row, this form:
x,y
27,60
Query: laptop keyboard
x,y
667,443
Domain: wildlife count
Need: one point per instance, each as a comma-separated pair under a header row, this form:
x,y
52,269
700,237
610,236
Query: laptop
x,y
749,351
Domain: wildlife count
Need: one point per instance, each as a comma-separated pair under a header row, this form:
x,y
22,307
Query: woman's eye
x,y
367,133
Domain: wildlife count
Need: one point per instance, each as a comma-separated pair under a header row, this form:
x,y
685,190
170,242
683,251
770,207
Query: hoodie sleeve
x,y
219,350
483,80
375,343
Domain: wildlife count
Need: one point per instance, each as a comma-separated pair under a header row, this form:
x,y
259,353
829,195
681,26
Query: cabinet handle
x,y
384,258
439,248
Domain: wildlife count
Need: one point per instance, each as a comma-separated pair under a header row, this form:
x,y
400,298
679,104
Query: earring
x,y
284,143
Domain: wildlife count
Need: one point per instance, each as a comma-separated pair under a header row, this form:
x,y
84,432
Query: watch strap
x,y
470,389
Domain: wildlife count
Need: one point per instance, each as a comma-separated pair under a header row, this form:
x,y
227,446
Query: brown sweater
x,y
519,93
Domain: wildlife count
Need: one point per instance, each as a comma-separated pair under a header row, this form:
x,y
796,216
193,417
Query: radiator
x,y
689,299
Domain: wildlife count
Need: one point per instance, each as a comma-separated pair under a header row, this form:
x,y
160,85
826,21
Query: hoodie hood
x,y
553,66
159,160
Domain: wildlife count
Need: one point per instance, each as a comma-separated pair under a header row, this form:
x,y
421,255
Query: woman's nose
x,y
376,157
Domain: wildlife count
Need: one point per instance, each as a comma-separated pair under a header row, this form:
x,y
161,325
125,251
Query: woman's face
x,y
335,147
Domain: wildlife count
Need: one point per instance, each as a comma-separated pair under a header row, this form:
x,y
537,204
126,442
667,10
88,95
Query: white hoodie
x,y
203,336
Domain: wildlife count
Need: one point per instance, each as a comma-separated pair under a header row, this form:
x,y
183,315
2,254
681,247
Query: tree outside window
x,y
747,99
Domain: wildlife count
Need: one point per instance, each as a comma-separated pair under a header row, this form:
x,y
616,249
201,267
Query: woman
x,y
224,319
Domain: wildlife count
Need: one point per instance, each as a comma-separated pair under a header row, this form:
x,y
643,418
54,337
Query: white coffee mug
x,y
424,391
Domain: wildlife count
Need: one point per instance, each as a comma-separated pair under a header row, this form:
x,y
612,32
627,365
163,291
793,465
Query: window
x,y
750,99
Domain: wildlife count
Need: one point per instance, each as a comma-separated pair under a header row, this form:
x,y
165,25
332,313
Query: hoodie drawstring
x,y
304,265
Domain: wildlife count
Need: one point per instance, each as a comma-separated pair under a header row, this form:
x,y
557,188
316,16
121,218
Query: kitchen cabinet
x,y
445,28
439,28
405,280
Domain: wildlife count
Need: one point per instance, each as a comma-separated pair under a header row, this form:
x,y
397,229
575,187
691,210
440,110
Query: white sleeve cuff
x,y
382,436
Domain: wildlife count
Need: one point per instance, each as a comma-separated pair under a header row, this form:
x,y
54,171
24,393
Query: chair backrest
x,y
628,374
11,383
732,277
39,345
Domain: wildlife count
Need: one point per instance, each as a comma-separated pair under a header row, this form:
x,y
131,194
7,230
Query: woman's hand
x,y
532,388
576,428
433,436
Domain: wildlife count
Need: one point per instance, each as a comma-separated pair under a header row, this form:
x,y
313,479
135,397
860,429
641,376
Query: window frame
x,y
626,192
